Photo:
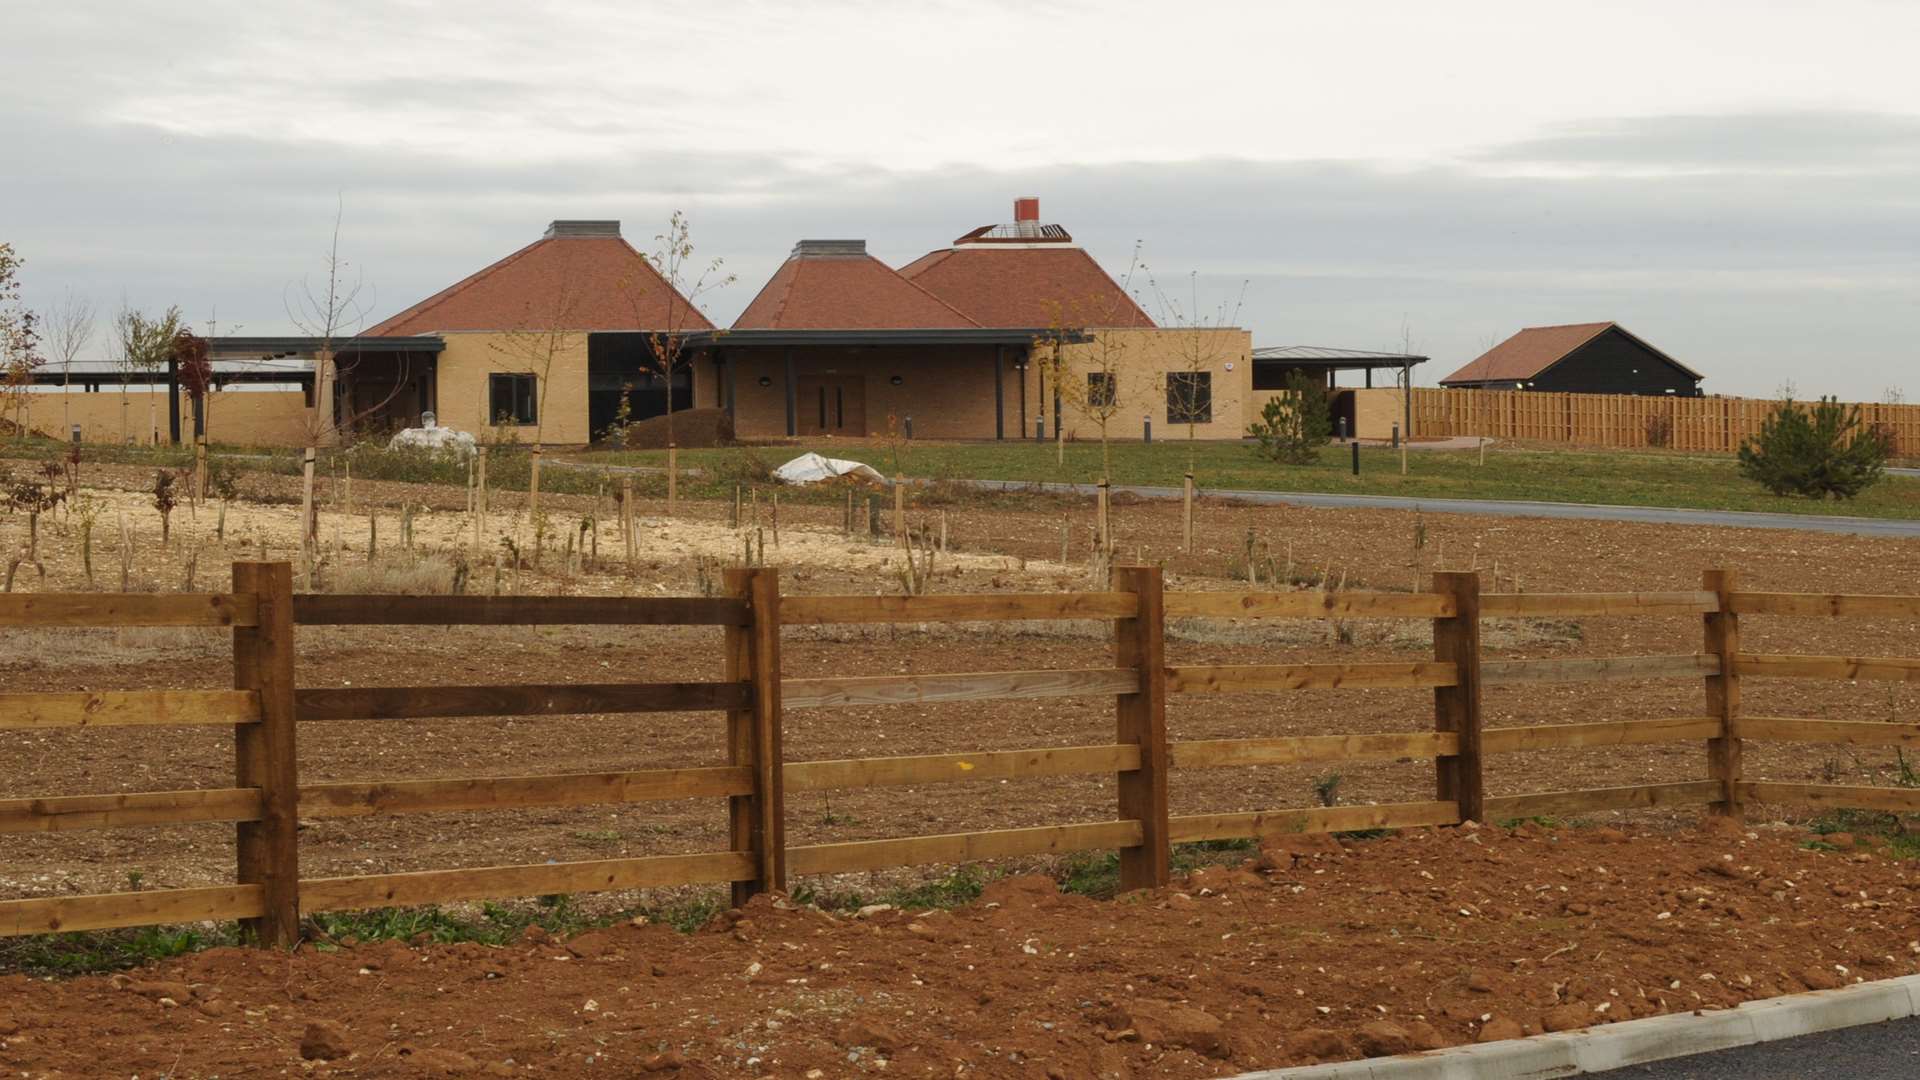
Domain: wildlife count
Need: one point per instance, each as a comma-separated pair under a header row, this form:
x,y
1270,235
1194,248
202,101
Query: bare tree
x,y
144,343
328,309
1198,346
70,328
20,353
686,281
546,332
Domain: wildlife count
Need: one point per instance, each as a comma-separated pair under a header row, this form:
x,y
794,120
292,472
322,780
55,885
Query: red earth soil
x,y
1319,949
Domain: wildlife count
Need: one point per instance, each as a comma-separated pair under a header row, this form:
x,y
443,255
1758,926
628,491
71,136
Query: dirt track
x,y
1316,951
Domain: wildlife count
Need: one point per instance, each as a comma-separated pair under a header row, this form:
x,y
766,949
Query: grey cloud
x,y
1753,276
1814,141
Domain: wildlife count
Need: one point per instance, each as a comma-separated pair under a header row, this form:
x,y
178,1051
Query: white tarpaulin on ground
x,y
812,468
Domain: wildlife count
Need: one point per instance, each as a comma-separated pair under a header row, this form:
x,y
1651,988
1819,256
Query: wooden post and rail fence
x,y
267,709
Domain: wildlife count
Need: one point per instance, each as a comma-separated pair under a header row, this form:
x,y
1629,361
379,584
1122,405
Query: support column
x,y
1022,364
173,401
999,392
793,403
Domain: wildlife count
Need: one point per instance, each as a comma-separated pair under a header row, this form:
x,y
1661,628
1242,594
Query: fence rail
x,y
265,708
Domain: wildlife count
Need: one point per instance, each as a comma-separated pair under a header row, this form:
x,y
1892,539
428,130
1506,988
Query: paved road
x,y
1875,1052
1497,508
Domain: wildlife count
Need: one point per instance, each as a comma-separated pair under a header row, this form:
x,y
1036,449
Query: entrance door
x,y
831,405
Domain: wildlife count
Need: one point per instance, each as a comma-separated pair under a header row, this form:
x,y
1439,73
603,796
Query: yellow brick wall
x,y
948,390
1375,411
470,358
1142,360
234,417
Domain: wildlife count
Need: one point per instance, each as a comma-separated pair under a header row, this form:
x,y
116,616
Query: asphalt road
x,y
1738,519
1874,1052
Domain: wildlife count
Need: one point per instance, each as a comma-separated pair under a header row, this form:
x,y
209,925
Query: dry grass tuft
x,y
397,575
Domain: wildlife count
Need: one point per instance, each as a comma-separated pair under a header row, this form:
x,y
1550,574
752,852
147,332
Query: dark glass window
x,y
1100,389
512,398
1189,397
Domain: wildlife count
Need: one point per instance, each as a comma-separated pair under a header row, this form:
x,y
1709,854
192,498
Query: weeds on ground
x,y
962,886
92,952
1902,843
1097,874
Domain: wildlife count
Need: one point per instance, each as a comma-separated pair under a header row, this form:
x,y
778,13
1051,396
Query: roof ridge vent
x,y
830,249
563,228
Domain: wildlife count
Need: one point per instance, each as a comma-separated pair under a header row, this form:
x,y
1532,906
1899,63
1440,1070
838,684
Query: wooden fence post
x,y
1723,692
268,850
757,821
1140,643
1456,640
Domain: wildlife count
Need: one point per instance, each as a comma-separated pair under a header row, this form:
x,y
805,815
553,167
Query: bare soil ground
x,y
1318,950
445,999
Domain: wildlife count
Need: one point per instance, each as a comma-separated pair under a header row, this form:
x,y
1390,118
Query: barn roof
x,y
1537,348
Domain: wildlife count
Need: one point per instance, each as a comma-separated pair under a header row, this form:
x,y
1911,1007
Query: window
x,y
1189,397
1100,390
512,399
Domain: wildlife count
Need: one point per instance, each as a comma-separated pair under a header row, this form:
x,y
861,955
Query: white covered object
x,y
812,468
443,439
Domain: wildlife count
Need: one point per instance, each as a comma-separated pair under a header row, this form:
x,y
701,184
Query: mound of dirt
x,y
691,428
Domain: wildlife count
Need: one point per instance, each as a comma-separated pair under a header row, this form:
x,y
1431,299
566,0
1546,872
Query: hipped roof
x,y
845,292
584,283
1026,286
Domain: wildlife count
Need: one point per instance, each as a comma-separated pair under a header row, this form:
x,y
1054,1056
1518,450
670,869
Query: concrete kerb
x,y
1634,1042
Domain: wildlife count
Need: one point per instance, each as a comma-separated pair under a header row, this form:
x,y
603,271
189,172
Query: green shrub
x,y
1818,451
1294,426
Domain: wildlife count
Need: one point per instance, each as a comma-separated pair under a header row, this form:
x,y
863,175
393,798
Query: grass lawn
x,y
1619,477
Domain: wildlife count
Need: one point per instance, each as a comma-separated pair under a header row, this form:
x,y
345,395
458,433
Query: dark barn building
x,y
1583,358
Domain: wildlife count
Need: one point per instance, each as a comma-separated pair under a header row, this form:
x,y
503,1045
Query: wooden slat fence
x,y
266,706
1624,420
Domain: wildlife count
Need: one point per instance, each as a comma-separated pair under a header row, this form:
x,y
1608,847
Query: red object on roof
x,y
836,285
1025,275
1537,348
581,276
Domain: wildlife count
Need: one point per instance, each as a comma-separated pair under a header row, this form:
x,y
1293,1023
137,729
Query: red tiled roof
x,y
612,287
1025,286
844,292
1527,353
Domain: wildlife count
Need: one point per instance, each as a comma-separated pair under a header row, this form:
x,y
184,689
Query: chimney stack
x,y
1026,208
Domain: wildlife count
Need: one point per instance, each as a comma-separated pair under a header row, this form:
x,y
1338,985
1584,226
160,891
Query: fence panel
x,y
1707,424
268,894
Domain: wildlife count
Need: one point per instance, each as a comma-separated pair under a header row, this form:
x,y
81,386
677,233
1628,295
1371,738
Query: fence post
x,y
267,852
1140,643
1723,692
757,822
1460,778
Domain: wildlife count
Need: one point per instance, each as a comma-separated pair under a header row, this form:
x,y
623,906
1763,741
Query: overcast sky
x,y
1737,182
